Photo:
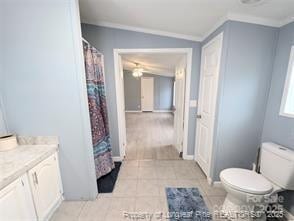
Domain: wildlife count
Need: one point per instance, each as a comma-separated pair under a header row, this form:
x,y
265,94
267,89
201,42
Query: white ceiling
x,y
190,19
160,64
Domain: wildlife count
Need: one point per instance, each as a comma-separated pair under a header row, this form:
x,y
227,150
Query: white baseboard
x,y
133,111
117,159
209,181
188,157
162,111
53,209
217,184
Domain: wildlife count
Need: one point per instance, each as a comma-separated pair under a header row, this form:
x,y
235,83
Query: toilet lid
x,y
246,180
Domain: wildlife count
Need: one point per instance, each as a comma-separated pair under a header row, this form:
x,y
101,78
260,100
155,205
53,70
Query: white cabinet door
x,y
16,203
46,186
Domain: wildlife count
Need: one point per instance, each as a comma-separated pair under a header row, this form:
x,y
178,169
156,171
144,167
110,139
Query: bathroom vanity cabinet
x,y
37,192
16,201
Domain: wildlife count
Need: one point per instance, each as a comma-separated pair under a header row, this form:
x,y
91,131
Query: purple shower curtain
x,y
98,111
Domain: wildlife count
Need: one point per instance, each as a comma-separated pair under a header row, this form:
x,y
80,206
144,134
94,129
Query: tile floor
x,y
150,136
141,188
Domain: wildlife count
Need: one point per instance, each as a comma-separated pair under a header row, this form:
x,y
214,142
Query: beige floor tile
x,y
125,188
164,163
188,183
165,173
147,173
68,211
183,163
104,195
147,188
150,136
185,173
120,207
148,204
147,163
207,203
95,210
130,163
140,154
131,154
164,204
216,204
216,200
164,183
149,153
198,172
210,190
128,172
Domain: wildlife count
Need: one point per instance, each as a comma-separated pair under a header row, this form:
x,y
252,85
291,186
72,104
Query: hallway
x,y
150,136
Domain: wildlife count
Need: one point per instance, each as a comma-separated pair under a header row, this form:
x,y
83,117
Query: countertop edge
x,y
10,179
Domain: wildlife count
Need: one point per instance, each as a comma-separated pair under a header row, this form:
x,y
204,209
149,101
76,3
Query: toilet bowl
x,y
249,193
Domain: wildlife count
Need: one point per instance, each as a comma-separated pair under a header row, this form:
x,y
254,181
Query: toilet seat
x,y
246,181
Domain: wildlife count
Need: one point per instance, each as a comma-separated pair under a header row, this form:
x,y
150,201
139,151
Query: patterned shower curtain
x,y
98,111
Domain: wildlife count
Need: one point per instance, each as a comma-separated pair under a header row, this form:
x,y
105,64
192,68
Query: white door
x,y
121,104
210,66
179,109
45,185
16,201
147,93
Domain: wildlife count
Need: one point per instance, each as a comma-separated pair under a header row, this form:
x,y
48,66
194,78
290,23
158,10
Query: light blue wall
x,y
163,92
2,121
106,39
41,84
3,129
276,128
248,54
132,92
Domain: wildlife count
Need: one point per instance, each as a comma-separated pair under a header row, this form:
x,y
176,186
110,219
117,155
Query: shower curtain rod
x,y
85,40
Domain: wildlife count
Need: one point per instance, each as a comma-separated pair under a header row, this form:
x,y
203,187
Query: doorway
x,y
139,119
147,93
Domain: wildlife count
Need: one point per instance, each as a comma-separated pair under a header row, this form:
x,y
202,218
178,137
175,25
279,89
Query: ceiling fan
x,y
138,71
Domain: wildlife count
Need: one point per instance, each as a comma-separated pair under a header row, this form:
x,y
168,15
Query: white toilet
x,y
249,193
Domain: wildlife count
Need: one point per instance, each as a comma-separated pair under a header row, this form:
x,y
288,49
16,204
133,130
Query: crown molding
x,y
145,30
253,20
220,22
287,21
247,19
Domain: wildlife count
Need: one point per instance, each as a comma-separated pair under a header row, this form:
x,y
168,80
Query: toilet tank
x,y
277,165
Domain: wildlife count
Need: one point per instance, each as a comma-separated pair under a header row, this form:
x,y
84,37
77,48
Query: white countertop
x,y
14,163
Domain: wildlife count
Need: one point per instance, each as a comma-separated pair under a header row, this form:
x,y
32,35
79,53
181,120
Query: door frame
x,y
152,92
188,53
217,37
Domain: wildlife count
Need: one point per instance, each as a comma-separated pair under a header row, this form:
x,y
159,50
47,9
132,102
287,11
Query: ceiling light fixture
x,y
137,72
